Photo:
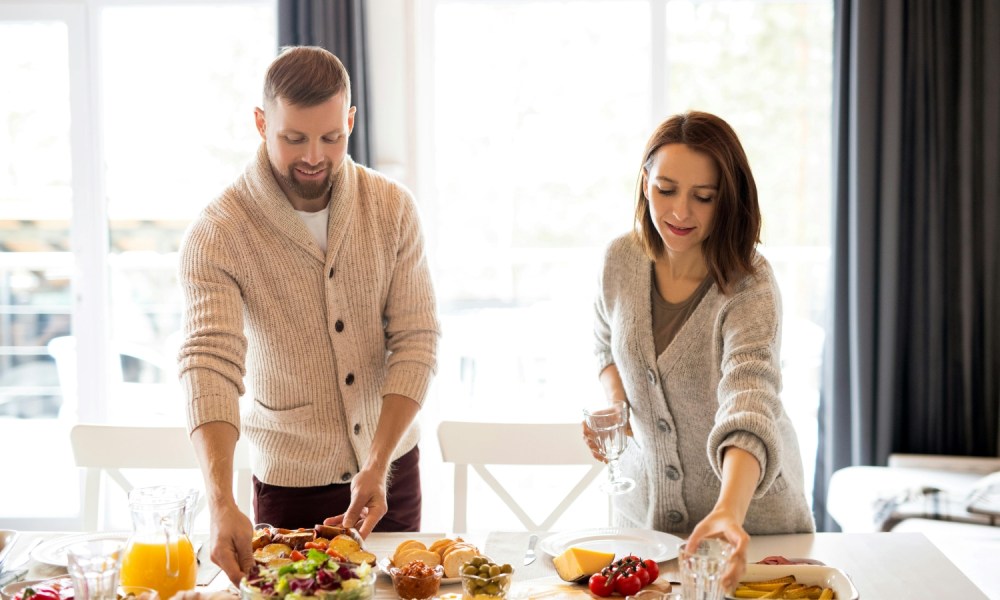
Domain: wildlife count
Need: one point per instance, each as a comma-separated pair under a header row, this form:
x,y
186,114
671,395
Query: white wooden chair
x,y
473,444
110,448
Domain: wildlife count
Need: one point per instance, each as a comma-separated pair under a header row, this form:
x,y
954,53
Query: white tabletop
x,y
883,566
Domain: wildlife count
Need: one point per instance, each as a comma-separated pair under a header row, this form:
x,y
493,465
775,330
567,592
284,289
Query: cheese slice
x,y
577,562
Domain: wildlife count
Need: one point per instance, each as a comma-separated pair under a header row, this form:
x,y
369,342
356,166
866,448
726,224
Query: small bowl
x,y
475,587
125,592
416,581
13,589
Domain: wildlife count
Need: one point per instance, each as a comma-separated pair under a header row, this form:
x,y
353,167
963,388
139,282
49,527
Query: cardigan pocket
x,y
285,415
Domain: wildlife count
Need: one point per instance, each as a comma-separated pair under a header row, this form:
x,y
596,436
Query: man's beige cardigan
x,y
322,338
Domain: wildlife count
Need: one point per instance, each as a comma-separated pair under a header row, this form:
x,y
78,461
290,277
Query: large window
x,y
533,117
120,120
118,123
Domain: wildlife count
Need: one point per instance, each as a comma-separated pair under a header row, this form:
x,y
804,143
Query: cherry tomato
x,y
652,567
628,584
599,585
643,573
296,555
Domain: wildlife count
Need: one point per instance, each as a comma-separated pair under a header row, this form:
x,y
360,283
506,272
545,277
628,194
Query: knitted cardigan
x,y
321,338
716,385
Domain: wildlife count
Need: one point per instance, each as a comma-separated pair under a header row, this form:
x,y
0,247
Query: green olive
x,y
506,569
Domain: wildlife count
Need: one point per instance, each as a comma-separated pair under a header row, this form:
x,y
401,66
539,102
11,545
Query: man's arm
x,y
369,487
214,444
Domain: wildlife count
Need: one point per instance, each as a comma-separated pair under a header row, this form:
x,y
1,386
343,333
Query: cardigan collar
x,y
267,195
641,303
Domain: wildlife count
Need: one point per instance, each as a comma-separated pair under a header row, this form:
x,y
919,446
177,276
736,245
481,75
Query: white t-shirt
x,y
316,224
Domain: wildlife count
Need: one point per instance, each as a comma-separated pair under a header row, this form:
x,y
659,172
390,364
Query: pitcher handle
x,y
175,571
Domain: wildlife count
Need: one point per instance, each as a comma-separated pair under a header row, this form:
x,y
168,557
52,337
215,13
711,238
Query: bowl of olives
x,y
482,579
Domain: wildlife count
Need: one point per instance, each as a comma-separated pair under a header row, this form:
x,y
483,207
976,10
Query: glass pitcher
x,y
159,554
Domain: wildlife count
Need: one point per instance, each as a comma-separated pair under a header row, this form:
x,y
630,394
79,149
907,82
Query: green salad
x,y
318,575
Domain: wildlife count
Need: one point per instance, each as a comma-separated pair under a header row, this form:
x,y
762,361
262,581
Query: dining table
x,y
882,566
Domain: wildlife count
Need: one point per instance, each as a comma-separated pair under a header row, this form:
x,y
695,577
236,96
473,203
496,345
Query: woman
x,y
688,329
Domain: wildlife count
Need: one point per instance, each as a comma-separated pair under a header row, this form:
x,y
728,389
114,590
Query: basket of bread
x,y
449,553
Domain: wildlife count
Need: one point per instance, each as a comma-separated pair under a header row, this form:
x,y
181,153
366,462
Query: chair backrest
x,y
474,444
111,448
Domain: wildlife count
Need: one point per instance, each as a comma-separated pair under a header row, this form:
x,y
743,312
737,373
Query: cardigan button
x,y
663,426
651,375
673,474
350,379
339,326
675,517
330,275
345,477
357,428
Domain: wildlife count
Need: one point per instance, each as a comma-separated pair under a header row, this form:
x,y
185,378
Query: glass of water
x,y
702,569
610,427
95,567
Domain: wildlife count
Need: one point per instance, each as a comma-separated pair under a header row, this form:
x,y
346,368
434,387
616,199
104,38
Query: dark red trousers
x,y
294,507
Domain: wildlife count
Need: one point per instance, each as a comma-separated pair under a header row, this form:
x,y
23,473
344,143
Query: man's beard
x,y
310,190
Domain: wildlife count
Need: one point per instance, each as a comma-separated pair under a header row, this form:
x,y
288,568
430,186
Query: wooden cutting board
x,y
553,588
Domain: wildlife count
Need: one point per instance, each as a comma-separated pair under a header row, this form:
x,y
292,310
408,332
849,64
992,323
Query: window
x,y
115,131
532,120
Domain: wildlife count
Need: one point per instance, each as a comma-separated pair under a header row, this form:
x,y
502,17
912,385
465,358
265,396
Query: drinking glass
x,y
94,567
610,427
703,568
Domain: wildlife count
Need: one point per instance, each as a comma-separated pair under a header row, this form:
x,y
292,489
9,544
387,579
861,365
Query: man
x,y
310,271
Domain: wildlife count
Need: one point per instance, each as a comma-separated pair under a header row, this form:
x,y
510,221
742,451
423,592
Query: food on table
x,y
575,562
625,576
448,552
782,587
317,575
284,546
416,580
261,538
482,579
59,588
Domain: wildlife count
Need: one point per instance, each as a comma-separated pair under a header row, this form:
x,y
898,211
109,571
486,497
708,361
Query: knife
x,y
529,555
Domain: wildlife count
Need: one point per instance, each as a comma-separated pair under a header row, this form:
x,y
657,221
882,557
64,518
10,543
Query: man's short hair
x,y
306,76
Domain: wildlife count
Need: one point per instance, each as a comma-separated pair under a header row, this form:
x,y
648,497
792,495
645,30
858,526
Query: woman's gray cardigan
x,y
716,385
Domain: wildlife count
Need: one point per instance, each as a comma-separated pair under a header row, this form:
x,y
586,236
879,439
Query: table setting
x,y
868,566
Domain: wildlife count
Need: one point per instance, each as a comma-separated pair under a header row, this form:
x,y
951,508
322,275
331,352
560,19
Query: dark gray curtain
x,y
912,362
338,26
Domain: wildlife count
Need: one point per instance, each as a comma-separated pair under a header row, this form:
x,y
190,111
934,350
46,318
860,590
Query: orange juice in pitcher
x,y
159,554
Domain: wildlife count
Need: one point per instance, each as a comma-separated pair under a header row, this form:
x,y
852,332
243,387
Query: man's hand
x,y
231,542
368,503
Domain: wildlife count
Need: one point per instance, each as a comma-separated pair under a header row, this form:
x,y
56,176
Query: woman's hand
x,y
590,438
724,524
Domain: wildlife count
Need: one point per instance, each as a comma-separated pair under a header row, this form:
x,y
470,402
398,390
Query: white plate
x,y
808,574
644,543
384,564
53,552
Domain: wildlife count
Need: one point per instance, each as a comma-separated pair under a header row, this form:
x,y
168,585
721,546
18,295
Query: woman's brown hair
x,y
730,246
306,76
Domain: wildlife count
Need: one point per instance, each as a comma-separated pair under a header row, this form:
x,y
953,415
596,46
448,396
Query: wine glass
x,y
610,427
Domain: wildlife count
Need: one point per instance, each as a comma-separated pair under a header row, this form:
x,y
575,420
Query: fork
x,y
14,570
